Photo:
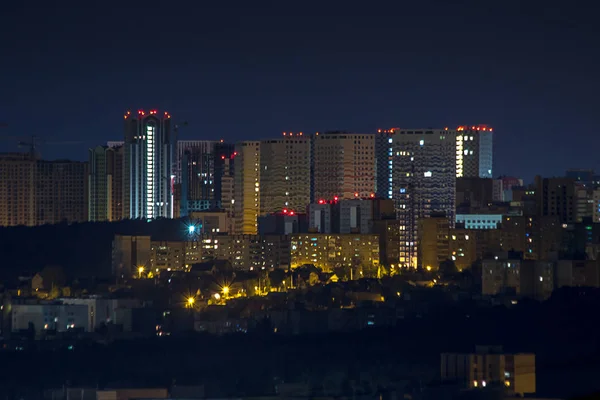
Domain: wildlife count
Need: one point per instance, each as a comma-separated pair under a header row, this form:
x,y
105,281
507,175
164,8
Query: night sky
x,y
250,70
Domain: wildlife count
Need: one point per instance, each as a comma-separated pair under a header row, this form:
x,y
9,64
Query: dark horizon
x,y
252,71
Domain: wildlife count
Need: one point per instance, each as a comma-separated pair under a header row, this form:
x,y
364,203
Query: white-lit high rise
x,y
474,151
423,182
149,176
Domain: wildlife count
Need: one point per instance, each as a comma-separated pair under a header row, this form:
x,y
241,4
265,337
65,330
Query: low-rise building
x,y
479,221
490,366
168,256
584,273
211,221
129,253
103,311
54,316
329,251
463,248
506,274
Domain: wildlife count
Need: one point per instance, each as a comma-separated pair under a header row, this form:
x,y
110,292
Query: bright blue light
x,y
191,229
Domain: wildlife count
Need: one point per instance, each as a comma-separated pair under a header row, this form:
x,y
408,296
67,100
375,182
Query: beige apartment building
x,y
17,189
247,187
61,192
285,173
105,183
344,165
328,251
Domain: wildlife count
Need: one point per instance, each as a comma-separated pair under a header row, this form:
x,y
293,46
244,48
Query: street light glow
x,y
191,301
191,229
226,290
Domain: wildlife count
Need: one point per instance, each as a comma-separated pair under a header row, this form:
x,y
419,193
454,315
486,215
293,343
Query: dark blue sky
x,y
250,69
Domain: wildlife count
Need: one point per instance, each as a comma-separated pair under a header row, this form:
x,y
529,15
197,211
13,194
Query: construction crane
x,y
31,144
33,141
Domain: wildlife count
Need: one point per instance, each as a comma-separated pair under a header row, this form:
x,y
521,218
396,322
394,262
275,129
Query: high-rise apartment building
x,y
556,197
38,192
247,187
474,194
17,189
196,174
384,155
474,151
285,173
434,236
224,160
61,191
149,175
424,182
586,177
344,165
105,183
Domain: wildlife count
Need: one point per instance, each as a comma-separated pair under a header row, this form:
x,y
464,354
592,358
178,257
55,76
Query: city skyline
x,y
277,200
257,71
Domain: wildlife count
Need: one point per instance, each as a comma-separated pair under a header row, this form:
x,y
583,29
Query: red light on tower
x,y
222,157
